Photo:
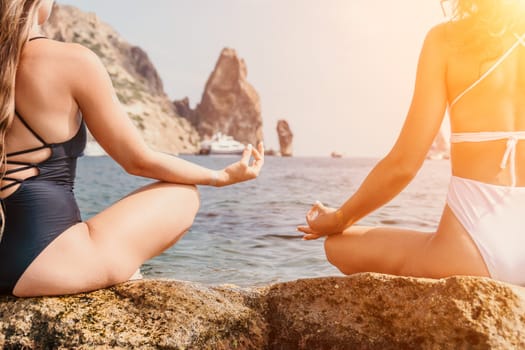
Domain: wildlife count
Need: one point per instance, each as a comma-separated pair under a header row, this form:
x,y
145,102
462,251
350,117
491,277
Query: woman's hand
x,y
322,221
243,170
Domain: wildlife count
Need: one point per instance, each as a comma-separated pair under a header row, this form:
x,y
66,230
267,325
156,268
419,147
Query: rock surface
x,y
134,77
184,109
229,104
365,311
285,138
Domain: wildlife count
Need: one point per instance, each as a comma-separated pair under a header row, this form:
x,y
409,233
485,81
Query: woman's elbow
x,y
136,164
133,168
405,167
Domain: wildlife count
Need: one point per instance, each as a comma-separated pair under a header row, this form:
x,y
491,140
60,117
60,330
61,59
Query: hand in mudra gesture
x,y
242,170
322,221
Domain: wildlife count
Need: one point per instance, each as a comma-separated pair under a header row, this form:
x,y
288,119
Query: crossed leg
x,y
447,252
109,247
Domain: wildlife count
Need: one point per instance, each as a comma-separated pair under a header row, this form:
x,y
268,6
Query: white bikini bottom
x,y
494,216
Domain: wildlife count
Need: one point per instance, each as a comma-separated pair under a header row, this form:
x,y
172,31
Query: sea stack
x,y
229,105
285,138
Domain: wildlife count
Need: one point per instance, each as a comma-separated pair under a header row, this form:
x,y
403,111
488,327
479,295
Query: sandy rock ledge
x,y
365,311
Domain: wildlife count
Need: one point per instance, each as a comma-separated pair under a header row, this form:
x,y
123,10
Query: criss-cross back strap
x,y
520,40
13,181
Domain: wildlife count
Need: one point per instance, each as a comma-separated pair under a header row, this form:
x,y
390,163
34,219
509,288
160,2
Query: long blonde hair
x,y
16,19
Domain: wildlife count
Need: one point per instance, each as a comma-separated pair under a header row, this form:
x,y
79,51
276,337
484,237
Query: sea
x,y
246,234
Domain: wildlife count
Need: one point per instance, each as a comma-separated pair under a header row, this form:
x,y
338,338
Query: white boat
x,y
221,144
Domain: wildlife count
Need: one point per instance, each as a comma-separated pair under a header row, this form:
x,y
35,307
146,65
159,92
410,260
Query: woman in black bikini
x,y
49,92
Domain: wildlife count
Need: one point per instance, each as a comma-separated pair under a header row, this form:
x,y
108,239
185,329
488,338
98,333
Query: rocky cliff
x,y
229,104
365,311
134,77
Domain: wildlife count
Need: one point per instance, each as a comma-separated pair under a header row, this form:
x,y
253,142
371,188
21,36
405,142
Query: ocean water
x,y
245,234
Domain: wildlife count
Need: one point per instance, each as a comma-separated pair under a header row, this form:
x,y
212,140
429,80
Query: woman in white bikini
x,y
474,65
49,92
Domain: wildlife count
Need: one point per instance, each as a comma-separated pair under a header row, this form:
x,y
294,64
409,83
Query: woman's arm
x,y
114,131
393,173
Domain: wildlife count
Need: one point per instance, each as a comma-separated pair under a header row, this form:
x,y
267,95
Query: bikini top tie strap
x,y
509,157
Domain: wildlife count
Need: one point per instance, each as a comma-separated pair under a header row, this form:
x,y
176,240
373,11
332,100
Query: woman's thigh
x,y
449,251
374,249
109,247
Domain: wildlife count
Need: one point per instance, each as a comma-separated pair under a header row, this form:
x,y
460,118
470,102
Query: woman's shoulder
x,y
449,32
48,53
438,33
71,66
60,58
63,52
441,37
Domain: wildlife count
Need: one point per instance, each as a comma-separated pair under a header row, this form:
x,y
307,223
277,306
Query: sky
x,y
341,72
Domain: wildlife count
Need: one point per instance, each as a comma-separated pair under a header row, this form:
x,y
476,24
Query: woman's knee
x,y
192,202
335,255
193,197
182,198
177,194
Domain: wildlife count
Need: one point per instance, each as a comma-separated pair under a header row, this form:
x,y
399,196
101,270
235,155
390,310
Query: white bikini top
x,y
512,136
